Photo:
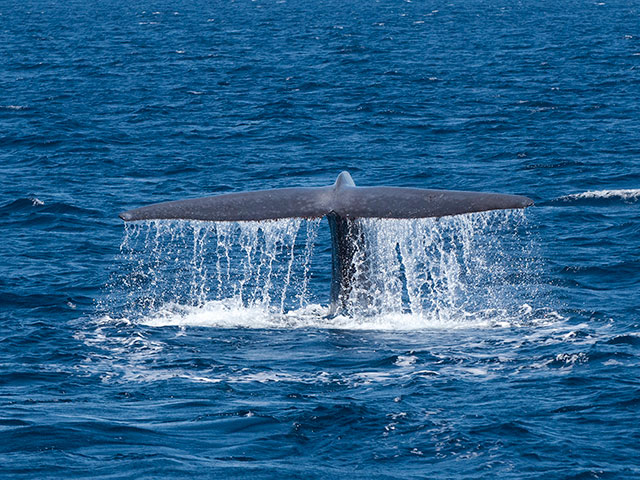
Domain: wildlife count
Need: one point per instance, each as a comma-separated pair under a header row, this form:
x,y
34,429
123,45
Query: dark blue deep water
x,y
182,350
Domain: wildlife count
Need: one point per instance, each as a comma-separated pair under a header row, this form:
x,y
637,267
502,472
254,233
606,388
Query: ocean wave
x,y
626,195
21,204
33,203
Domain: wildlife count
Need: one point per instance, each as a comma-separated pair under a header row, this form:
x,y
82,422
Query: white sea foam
x,y
623,194
405,360
230,314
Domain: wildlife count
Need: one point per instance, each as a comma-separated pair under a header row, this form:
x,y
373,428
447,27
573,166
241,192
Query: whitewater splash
x,y
192,262
626,195
466,270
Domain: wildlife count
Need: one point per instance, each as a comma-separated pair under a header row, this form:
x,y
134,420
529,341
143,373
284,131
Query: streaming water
x,y
259,265
464,270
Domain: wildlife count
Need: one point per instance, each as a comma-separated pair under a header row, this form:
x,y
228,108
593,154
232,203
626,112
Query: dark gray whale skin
x,y
341,203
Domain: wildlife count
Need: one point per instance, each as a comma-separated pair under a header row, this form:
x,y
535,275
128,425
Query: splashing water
x,y
467,270
439,268
259,265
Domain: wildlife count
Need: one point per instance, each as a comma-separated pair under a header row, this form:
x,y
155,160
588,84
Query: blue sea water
x,y
499,345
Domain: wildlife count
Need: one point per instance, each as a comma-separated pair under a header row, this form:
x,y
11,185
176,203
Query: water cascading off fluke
x,y
348,208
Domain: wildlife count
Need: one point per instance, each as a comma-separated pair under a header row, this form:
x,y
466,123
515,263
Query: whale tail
x,y
342,198
341,203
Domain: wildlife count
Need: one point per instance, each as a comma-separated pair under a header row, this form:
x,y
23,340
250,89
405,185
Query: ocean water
x,y
495,345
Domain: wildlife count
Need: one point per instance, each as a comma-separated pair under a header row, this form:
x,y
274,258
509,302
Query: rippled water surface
x,y
492,345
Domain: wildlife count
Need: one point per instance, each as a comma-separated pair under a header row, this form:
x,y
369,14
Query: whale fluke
x,y
341,203
343,198
242,206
